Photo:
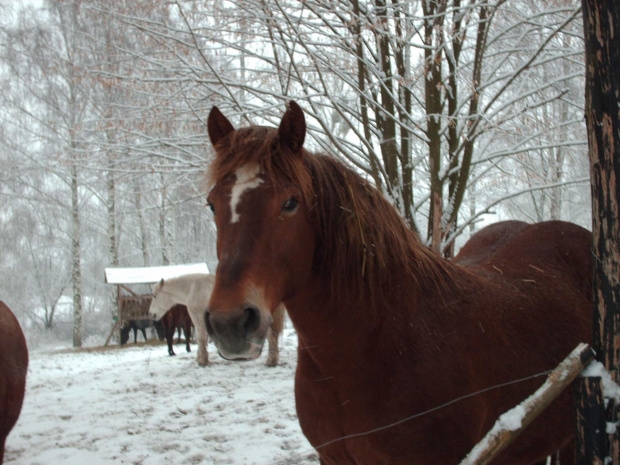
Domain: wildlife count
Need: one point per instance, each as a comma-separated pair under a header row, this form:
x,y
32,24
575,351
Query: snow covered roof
x,y
151,274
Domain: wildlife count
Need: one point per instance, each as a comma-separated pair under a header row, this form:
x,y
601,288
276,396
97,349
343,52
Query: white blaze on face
x,y
248,177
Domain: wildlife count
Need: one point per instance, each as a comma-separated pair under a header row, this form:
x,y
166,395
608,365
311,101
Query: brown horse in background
x,y
403,357
177,317
13,370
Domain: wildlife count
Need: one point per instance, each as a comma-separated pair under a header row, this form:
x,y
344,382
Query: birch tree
x,y
44,56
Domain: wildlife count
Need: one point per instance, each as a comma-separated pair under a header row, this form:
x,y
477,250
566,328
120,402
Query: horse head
x,y
125,332
161,302
265,243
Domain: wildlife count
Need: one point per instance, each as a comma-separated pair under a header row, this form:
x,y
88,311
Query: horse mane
x,y
259,145
362,240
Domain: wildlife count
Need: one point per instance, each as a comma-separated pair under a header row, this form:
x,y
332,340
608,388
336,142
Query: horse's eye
x,y
290,205
210,205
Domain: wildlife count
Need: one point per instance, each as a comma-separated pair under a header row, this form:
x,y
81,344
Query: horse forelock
x,y
259,146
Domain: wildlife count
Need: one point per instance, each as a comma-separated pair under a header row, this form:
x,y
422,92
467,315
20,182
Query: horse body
x,y
484,329
13,370
403,357
177,317
191,290
194,291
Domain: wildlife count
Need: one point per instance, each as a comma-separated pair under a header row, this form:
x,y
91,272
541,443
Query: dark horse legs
x,y
177,317
135,334
170,323
187,330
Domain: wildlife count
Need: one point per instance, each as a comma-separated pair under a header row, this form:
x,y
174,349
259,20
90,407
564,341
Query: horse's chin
x,y
252,352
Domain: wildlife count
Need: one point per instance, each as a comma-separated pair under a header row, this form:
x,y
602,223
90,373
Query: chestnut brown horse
x,y
177,317
13,369
403,357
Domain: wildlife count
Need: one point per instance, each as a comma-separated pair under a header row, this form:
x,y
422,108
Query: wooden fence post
x,y
590,425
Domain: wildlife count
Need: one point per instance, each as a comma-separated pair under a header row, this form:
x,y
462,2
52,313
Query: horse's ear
x,y
292,130
218,126
158,286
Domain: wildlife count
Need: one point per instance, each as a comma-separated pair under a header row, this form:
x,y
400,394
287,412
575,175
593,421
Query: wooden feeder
x,y
133,305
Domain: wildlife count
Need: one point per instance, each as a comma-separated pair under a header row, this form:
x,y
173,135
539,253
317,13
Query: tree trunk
x,y
460,169
591,447
141,222
601,20
559,154
163,231
602,38
402,56
111,207
386,115
433,26
76,268
356,28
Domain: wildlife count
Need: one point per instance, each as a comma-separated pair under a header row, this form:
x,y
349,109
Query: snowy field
x,y
137,405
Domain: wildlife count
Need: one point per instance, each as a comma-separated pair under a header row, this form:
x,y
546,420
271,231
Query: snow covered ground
x,y
137,405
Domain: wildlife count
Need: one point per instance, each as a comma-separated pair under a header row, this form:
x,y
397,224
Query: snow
x,y
597,370
508,421
138,405
511,420
151,274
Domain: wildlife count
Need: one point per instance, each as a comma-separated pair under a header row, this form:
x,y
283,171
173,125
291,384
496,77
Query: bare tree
x,y
440,104
416,95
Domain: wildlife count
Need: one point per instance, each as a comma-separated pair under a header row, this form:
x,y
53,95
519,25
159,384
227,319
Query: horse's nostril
x,y
251,320
240,324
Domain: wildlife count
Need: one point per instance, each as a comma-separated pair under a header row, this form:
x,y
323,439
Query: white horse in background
x,y
194,291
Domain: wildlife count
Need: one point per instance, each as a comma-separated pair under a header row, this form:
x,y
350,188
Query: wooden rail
x,y
509,425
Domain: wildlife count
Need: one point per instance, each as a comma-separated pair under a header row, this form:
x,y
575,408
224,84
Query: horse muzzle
x,y
253,352
238,334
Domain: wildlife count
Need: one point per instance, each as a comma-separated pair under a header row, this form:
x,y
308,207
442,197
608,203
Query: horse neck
x,y
402,313
317,314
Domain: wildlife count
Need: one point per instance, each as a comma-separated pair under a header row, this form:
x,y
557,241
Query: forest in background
x,y
462,112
